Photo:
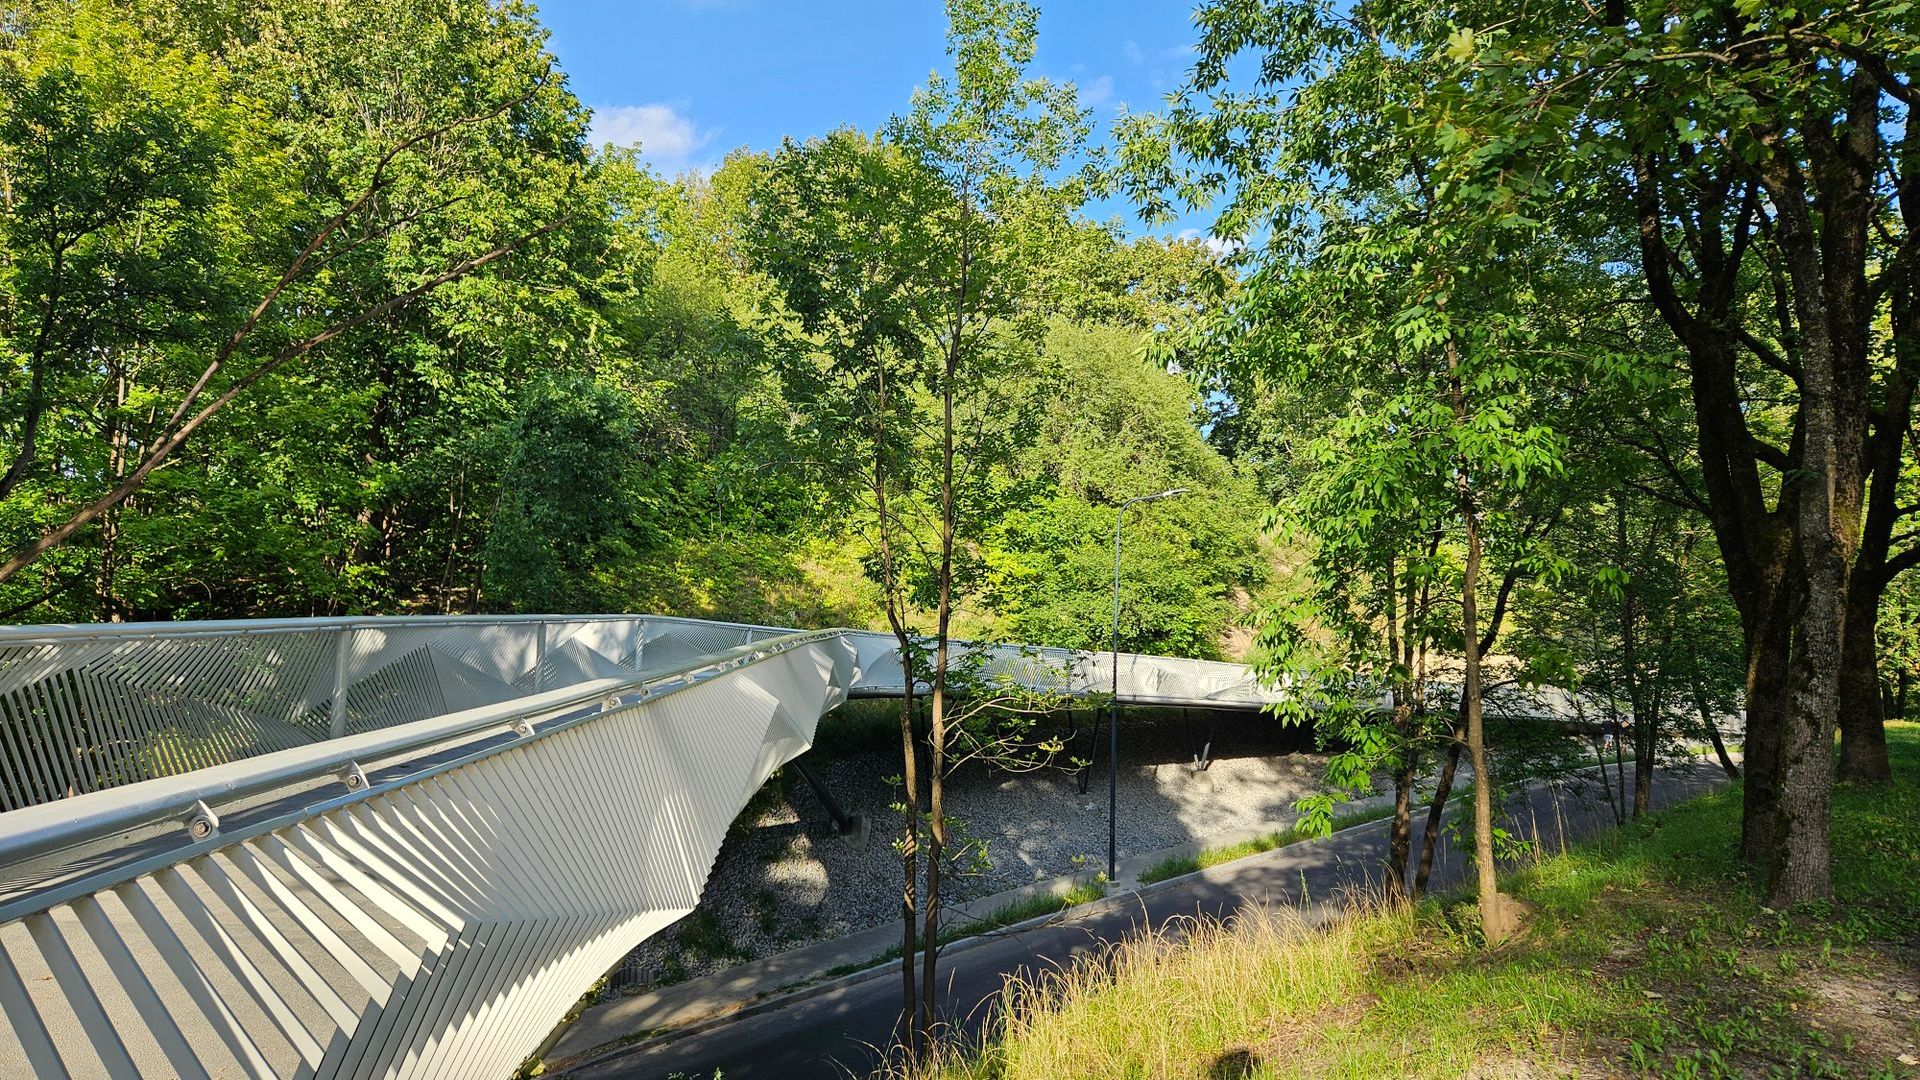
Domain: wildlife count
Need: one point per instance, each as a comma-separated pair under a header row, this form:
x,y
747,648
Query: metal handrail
x,y
52,633
40,830
34,831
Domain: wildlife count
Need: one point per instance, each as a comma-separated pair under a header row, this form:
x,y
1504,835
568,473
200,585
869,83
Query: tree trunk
x,y
1496,921
1620,772
943,617
1645,749
1437,807
1802,852
936,849
1767,656
110,609
1826,528
1645,719
1863,733
1496,918
1400,837
1713,728
909,870
1400,833
909,757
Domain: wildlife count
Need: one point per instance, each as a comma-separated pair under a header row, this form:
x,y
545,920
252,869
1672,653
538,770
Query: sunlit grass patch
x,y
1214,856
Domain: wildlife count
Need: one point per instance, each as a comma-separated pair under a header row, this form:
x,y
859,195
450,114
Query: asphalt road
x,y
836,1033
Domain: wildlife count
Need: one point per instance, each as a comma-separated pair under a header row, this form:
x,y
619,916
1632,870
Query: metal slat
x,y
415,912
134,981
215,874
24,1017
330,941
101,1032
241,967
226,1024
283,856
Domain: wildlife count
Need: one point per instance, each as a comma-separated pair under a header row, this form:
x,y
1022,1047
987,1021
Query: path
x,y
832,1034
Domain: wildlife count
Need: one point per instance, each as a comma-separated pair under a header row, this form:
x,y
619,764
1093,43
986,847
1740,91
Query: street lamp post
x,y
1113,719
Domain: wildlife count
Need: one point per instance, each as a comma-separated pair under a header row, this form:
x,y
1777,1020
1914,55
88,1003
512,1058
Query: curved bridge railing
x,y
392,846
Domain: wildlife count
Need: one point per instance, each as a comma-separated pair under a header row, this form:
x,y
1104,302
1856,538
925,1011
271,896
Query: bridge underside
x,y
393,847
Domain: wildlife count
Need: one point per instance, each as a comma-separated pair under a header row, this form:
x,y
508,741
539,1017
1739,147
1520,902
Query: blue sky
x,y
693,79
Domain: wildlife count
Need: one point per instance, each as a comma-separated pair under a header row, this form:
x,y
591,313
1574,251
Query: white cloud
x,y
1163,65
1216,246
668,140
1096,92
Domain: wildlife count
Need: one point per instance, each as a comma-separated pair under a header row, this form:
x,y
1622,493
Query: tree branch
x,y
165,447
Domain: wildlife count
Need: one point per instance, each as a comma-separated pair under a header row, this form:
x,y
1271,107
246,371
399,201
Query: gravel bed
x,y
783,879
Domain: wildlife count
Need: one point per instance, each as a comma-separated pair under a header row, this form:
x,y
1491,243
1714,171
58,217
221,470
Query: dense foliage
x,y
614,416
1533,301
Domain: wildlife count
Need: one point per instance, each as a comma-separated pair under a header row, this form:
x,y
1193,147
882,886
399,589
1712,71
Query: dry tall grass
x,y
1184,1000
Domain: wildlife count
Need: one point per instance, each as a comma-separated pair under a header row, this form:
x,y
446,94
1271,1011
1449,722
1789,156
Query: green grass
x,y
1187,864
701,936
1018,911
1648,953
1032,907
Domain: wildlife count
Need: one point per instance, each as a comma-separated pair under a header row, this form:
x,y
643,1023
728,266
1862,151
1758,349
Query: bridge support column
x,y
1086,771
1204,757
853,828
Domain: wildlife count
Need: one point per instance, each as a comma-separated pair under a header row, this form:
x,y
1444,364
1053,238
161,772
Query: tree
x,y
1116,425
1761,154
993,136
576,492
907,261
129,173
369,220
837,226
1451,340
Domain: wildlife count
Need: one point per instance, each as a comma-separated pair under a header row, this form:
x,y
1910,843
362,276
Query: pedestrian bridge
x,y
396,846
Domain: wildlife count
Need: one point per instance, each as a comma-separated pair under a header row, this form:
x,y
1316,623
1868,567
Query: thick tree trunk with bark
x,y
1802,852
1826,532
1767,651
1863,734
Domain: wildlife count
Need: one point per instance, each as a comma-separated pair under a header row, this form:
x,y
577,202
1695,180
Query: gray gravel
x,y
783,879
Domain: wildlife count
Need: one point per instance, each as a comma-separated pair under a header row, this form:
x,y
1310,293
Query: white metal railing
x,y
83,708
393,847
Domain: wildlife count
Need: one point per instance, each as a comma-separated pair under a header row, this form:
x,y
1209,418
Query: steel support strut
x,y
843,823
